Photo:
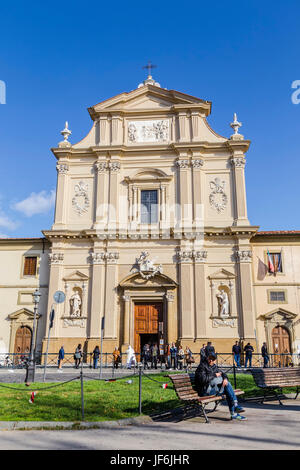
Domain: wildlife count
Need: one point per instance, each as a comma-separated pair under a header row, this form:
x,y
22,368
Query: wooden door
x,y
281,345
23,340
146,321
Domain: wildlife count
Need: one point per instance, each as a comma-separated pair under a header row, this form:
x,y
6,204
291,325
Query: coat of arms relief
x,y
146,267
217,198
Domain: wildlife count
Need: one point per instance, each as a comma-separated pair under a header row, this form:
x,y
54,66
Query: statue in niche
x,y
223,303
75,305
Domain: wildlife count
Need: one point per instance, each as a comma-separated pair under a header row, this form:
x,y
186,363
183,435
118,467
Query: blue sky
x,y
57,58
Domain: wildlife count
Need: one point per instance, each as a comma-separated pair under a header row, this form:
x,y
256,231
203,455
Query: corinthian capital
x,y
244,255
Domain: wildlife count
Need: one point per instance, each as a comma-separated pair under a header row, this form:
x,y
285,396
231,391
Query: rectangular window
x,y
277,296
149,207
30,265
276,263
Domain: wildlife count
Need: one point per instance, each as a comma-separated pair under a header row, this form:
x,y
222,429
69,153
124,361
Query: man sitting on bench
x,y
209,380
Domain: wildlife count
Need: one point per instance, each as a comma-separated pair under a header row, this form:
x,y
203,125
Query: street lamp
x,y
30,373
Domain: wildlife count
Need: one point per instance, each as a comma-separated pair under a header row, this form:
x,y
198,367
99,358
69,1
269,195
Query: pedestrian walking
x,y
248,350
131,360
236,351
61,355
265,355
78,356
96,354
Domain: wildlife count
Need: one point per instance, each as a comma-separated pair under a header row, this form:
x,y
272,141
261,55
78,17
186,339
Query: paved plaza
x,y
269,426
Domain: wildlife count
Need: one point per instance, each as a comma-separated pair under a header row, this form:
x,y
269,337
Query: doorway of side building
x,y
148,321
281,346
22,342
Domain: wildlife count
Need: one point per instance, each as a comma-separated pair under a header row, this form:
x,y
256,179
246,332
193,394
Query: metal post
x,y
30,372
140,389
82,395
234,376
101,347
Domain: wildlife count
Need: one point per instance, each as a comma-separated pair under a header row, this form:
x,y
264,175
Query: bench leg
x,y
297,392
277,396
202,407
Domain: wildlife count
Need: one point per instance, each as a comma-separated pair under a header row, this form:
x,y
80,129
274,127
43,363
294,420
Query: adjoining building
x,y
151,233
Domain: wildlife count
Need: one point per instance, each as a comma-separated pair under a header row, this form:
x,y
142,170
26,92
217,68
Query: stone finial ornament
x,y
235,126
65,133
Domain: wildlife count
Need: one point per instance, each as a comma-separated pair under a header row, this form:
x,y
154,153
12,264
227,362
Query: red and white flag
x,y
31,399
270,264
164,385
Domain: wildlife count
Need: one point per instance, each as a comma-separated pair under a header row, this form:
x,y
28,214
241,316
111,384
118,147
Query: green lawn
x,y
103,400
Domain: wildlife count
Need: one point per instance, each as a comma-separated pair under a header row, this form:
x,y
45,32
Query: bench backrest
x,y
183,386
269,377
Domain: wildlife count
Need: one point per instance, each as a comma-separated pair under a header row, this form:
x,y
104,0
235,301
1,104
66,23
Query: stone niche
x,y
223,299
75,305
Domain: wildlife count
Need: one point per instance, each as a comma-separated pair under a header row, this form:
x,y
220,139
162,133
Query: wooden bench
x,y
183,385
272,379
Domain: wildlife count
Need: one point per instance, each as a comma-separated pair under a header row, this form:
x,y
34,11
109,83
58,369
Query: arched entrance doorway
x,y
281,345
22,342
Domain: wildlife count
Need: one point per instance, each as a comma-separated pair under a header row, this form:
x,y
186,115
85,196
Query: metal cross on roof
x,y
149,66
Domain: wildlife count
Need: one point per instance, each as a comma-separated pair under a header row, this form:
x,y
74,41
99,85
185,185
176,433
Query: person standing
x,y
189,360
265,355
61,355
96,354
248,350
154,355
131,360
78,356
117,357
180,357
202,353
146,356
209,349
167,356
236,350
173,351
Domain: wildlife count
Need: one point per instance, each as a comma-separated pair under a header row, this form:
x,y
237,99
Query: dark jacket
x,y
61,353
264,351
204,374
173,351
236,349
248,350
96,353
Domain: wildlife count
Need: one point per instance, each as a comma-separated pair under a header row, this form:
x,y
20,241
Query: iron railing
x,y
224,360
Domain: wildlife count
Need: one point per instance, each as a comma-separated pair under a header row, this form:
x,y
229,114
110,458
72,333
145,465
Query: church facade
x,y
151,240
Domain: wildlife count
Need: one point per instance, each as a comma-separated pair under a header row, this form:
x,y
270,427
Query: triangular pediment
x,y
279,314
222,274
76,276
22,313
149,97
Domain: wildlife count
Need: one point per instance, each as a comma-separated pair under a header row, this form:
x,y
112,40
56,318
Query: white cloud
x,y
3,235
6,222
36,203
